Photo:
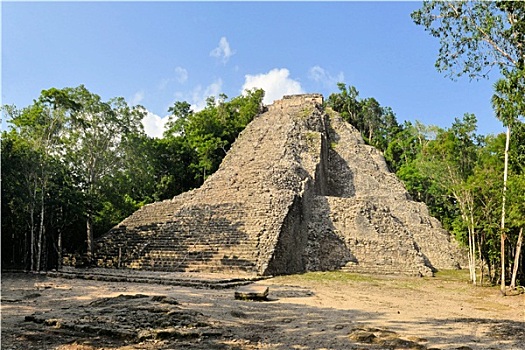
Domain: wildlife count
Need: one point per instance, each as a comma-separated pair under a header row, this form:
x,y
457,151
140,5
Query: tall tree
x,y
508,101
378,125
476,36
62,108
449,161
41,128
41,125
19,200
97,135
516,198
347,103
372,117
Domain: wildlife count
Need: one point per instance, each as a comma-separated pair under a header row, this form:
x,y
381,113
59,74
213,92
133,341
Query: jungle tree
x,y
475,36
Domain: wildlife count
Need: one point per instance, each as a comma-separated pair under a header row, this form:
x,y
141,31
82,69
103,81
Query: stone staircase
x,y
298,191
232,223
205,238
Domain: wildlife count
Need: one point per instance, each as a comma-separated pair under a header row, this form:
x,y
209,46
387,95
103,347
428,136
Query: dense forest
x,y
456,172
74,165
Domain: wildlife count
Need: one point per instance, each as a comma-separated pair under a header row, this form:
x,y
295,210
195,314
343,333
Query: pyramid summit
x,y
298,191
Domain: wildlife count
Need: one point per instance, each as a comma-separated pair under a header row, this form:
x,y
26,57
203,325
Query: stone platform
x,y
183,279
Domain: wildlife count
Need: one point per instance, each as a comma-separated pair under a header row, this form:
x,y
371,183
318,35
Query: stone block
x,y
252,292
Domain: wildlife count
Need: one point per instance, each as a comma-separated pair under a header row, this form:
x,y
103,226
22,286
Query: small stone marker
x,y
252,292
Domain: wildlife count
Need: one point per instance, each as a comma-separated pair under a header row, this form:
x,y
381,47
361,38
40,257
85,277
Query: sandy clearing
x,y
311,311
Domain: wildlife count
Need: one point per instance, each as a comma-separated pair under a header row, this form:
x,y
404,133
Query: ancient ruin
x,y
298,191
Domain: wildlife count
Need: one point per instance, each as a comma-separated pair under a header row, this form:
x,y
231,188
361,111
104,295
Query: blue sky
x,y
156,53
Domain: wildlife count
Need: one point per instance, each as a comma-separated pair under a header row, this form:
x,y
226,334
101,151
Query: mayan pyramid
x,y
298,191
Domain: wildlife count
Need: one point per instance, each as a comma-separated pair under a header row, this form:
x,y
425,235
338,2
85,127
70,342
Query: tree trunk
x,y
89,240
471,273
58,246
40,234
503,236
32,251
482,260
25,250
473,248
517,259
472,255
59,249
466,215
32,248
45,252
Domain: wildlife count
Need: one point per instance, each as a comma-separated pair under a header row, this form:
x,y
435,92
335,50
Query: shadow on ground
x,y
43,313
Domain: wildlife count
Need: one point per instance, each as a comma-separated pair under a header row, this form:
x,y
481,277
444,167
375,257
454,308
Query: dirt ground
x,y
310,311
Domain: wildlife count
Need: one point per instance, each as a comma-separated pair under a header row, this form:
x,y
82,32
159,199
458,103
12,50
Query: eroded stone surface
x,y
135,318
252,292
298,191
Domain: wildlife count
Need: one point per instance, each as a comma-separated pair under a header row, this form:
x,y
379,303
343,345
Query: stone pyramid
x,y
298,191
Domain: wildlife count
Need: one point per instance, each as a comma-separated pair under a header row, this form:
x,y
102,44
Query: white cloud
x,y
154,125
163,84
181,75
320,75
137,98
223,51
276,83
199,94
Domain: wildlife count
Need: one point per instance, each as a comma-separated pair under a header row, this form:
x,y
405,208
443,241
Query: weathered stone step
x,y
228,245
187,241
133,276
184,244
198,241
196,253
194,258
194,267
148,260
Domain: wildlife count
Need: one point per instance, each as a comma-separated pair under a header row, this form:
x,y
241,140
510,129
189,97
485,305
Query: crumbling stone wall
x,y
298,191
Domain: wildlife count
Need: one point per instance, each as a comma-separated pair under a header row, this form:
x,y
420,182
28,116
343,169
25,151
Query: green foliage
x,y
473,35
330,277
378,125
458,174
406,144
172,159
74,153
305,112
508,100
312,139
71,158
23,169
212,131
